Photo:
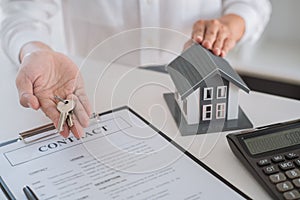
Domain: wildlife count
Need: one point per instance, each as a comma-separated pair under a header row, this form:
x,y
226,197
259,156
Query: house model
x,y
207,92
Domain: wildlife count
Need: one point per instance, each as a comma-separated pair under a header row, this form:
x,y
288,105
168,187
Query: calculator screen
x,y
273,141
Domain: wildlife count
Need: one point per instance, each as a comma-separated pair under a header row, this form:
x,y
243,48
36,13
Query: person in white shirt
x,y
218,25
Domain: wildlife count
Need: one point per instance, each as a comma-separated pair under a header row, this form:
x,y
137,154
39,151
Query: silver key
x,y
64,108
69,119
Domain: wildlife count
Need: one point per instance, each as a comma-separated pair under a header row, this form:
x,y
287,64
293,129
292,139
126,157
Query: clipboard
x,y
27,135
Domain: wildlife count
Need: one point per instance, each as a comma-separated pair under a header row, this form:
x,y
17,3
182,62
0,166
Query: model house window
x,y
208,93
207,112
184,105
221,92
220,110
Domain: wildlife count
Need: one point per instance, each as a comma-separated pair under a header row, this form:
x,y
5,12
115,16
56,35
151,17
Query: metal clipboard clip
x,y
38,133
44,131
33,135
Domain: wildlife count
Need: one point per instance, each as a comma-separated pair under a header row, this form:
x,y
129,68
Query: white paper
x,y
120,157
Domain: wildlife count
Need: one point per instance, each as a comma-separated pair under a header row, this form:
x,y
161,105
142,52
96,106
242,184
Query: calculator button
x,y
290,195
285,186
263,162
297,162
286,165
291,155
276,178
297,182
277,158
270,169
294,173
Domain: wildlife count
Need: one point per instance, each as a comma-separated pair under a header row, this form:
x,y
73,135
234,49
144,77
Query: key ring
x,y
60,99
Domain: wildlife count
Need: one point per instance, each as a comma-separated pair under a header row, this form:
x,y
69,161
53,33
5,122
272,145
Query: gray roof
x,y
197,64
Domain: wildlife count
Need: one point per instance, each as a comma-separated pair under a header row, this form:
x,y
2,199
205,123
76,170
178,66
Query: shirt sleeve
x,y
25,21
256,14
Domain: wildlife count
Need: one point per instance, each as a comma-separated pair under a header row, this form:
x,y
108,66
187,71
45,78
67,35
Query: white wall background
x,y
275,55
284,23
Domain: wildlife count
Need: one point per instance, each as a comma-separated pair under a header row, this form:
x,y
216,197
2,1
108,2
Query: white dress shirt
x,y
87,23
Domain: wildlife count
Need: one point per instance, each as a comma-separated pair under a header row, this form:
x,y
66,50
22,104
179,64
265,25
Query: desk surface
x,y
110,86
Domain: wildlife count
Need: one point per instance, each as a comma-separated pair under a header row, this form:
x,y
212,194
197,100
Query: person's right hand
x,y
218,35
44,74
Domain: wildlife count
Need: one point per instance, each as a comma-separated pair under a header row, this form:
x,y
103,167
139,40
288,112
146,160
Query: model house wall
x,y
233,102
193,108
213,99
189,106
210,102
206,86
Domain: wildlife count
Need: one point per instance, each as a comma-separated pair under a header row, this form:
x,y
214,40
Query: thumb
x,y
26,96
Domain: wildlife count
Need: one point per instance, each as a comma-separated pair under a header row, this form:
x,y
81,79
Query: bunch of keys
x,y
65,107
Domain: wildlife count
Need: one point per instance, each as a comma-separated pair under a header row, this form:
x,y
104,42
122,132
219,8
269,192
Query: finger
x,y
25,90
81,94
79,111
210,34
29,100
76,129
228,45
198,31
50,110
48,106
66,131
219,42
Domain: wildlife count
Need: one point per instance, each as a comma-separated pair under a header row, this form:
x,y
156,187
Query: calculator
x,y
272,155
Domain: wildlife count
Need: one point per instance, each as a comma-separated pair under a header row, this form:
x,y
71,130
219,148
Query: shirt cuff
x,y
253,24
20,39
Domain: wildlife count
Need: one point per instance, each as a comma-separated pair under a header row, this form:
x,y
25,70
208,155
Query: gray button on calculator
x,y
285,186
276,178
294,173
291,155
270,169
286,165
263,162
297,162
297,182
290,195
277,158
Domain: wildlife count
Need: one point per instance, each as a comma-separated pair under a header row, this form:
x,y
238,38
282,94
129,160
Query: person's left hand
x,y
218,35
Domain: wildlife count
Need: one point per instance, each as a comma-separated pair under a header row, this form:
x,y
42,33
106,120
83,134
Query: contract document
x,y
121,156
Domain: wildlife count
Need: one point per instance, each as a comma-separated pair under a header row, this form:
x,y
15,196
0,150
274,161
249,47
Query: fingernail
x,y
199,38
29,105
65,133
223,54
81,135
206,44
217,51
78,135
